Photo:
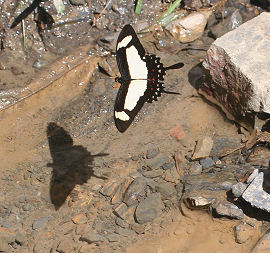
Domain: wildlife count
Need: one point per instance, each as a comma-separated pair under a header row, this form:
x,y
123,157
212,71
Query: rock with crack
x,y
237,71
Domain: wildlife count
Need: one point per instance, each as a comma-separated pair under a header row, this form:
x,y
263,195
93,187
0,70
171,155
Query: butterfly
x,y
141,80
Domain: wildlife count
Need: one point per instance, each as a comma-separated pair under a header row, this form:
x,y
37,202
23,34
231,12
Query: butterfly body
x,y
141,80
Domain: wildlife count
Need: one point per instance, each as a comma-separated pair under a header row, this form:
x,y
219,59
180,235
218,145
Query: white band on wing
x,y
121,115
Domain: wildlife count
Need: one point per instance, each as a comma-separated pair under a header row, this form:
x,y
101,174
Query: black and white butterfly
x,y
141,80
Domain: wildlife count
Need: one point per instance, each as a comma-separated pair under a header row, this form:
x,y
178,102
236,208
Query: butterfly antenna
x,y
175,66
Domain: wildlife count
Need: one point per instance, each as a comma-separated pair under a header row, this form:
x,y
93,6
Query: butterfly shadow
x,y
72,164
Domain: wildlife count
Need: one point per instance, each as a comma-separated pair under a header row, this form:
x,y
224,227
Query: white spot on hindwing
x,y
124,42
121,115
136,90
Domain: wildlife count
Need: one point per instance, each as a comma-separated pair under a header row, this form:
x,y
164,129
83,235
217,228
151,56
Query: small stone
x,y
65,246
40,222
80,229
195,168
138,228
243,232
229,210
252,176
125,213
157,162
167,190
79,218
189,28
67,227
113,238
91,237
198,202
238,189
167,166
151,153
152,173
109,188
125,232
77,2
207,163
119,194
149,208
120,222
26,207
203,148
135,191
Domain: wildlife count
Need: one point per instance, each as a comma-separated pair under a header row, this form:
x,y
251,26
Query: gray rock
x,y
256,196
92,237
157,162
149,208
226,185
243,232
135,191
26,207
138,228
207,163
77,2
151,153
238,189
195,168
113,238
243,73
167,190
167,166
40,222
229,210
125,232
38,64
152,173
120,222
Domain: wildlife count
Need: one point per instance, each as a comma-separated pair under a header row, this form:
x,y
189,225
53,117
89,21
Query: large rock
x,y
237,69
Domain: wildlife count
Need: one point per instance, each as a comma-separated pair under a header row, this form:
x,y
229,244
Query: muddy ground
x,y
60,145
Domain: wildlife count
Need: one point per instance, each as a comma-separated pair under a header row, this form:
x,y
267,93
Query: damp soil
x,y
30,157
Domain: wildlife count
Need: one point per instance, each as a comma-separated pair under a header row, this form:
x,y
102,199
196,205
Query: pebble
x,y
195,168
207,163
167,166
125,232
243,232
189,28
109,188
238,189
203,148
91,237
167,190
149,208
151,153
135,191
40,222
113,238
77,2
157,162
79,218
138,228
121,223
65,246
229,210
26,207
